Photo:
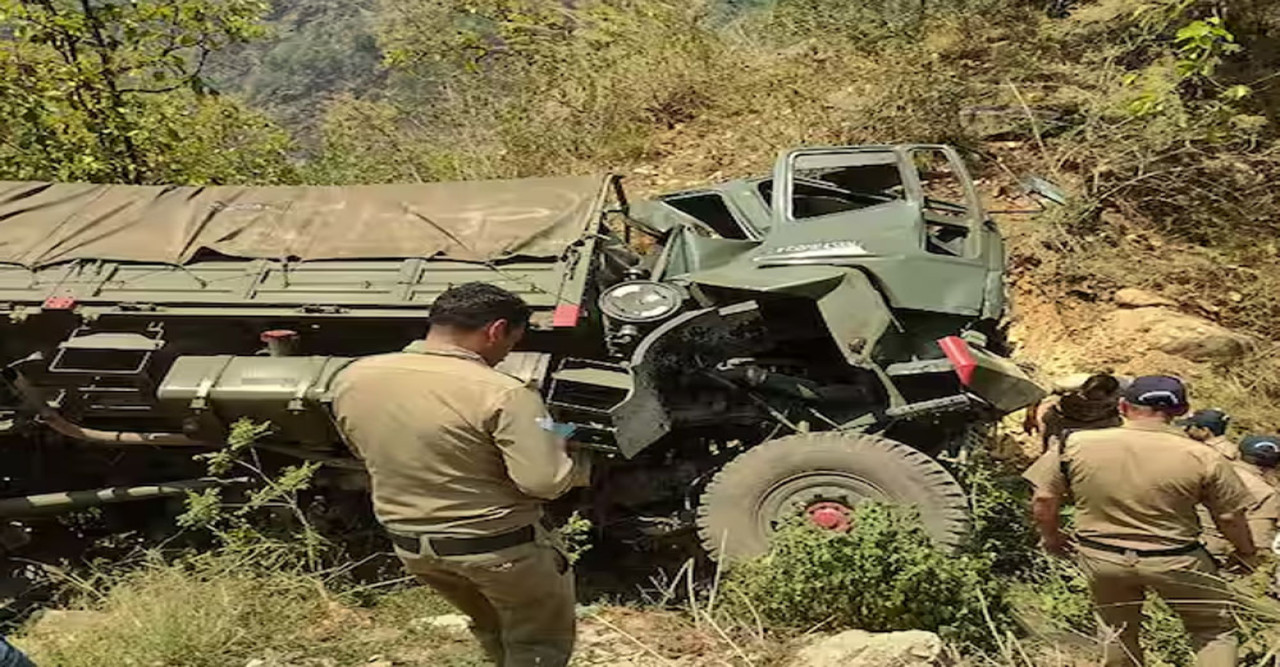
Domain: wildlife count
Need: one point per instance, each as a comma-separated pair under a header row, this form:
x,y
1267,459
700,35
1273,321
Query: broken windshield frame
x,y
818,184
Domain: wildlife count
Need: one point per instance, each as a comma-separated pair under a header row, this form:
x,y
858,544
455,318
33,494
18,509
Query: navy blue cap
x,y
1157,391
1215,420
1263,450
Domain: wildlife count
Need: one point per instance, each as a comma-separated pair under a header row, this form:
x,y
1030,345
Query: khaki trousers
x,y
520,600
1190,585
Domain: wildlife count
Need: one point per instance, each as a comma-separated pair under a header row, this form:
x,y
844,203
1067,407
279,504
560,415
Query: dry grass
x,y
224,613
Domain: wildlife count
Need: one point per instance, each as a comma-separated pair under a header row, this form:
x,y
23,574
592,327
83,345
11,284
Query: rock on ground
x,y
858,648
1132,297
64,622
1175,333
457,625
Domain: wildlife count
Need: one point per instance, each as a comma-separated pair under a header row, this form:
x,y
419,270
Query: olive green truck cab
x,y
735,356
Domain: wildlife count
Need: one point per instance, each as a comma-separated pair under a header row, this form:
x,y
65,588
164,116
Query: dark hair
x,y
1100,386
472,306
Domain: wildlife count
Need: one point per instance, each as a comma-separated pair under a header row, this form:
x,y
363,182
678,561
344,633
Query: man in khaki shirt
x,y
1210,427
1259,456
1136,488
461,459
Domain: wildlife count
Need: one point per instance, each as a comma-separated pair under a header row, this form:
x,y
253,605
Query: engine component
x,y
280,342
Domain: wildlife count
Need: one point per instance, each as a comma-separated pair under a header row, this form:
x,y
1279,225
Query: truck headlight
x,y
641,301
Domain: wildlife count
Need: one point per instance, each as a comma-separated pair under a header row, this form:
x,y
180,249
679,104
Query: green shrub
x,y
1000,528
884,575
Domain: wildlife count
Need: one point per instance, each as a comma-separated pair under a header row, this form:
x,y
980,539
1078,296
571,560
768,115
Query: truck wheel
x,y
823,476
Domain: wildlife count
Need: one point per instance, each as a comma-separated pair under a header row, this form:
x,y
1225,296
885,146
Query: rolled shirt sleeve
x,y
1264,519
536,455
1046,475
1224,492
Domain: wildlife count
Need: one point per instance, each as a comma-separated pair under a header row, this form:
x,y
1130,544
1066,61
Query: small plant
x,y
1202,45
884,575
576,535
237,524
1000,526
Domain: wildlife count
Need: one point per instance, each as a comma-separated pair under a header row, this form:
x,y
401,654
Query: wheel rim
x,y
828,515
825,498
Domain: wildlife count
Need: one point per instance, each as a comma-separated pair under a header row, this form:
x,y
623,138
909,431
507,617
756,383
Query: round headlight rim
x,y
675,293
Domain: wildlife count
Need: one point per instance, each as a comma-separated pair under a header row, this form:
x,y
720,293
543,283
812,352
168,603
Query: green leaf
x,y
1193,30
1236,92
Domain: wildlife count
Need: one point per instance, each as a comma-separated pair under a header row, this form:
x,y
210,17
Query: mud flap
x,y
992,378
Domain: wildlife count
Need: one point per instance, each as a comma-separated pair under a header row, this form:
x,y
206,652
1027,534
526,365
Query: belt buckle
x,y
1131,557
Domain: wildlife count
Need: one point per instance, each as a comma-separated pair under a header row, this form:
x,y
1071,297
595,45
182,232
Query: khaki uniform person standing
x,y
1258,457
461,458
1136,489
1210,427
1255,463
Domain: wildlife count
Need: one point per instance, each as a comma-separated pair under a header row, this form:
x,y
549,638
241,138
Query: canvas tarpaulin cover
x,y
47,223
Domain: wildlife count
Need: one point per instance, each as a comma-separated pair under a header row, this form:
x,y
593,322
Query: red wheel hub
x,y
830,516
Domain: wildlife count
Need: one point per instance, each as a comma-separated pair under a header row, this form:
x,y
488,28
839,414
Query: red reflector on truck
x,y
960,356
566,315
59,303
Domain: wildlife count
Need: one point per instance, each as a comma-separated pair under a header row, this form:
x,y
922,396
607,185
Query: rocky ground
x,y
608,637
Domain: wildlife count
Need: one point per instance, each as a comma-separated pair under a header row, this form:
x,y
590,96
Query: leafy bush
x,y
1000,528
268,523
115,92
222,610
884,575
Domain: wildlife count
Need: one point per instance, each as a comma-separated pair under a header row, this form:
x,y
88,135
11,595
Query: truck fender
x,y
641,418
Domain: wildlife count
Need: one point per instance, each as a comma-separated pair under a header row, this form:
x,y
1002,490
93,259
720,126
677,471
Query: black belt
x,y
1141,553
464,546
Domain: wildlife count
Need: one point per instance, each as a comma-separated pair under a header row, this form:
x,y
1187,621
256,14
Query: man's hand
x,y
1235,527
1044,509
581,466
1244,562
1056,545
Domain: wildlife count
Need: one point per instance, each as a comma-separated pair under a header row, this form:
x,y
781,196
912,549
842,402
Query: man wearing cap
x,y
461,459
1255,463
1210,427
1259,456
1136,488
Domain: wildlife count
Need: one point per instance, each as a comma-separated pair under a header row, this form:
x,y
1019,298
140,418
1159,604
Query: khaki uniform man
x,y
1259,456
1136,489
461,458
1210,427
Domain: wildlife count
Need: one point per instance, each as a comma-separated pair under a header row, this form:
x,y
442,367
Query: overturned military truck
x,y
737,356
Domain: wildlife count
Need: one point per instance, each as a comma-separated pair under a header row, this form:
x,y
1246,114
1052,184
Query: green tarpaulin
x,y
48,223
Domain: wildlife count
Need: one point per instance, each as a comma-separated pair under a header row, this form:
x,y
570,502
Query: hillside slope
x,y
313,52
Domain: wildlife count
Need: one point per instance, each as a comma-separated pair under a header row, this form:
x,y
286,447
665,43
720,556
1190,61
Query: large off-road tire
x,y
823,475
